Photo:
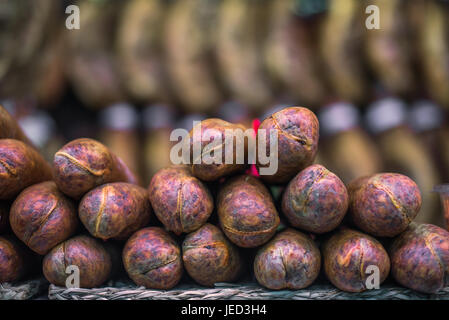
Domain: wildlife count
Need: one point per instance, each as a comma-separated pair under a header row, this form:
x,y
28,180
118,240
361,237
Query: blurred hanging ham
x,y
189,45
139,49
291,56
91,61
242,27
341,46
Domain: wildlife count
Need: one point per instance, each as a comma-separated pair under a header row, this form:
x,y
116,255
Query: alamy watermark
x,y
73,280
73,20
373,20
373,280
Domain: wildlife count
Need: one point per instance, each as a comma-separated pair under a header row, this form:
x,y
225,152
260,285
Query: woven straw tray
x,y
23,290
125,290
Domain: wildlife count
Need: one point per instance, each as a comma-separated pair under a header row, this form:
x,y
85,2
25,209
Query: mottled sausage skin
x,y
420,258
289,261
384,204
89,255
84,164
246,211
9,128
20,167
13,262
211,130
152,259
180,200
347,256
209,257
298,135
316,200
115,210
42,216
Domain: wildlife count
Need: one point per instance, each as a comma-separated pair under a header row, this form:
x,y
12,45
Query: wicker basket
x,y
225,291
22,290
